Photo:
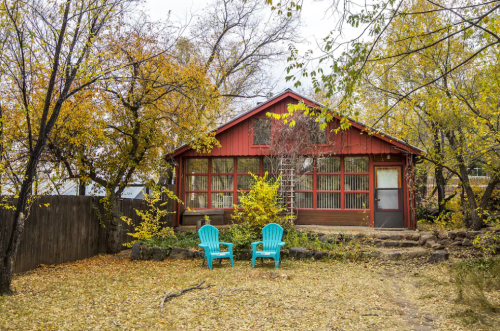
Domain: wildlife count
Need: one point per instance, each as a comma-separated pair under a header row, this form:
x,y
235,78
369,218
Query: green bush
x,y
240,235
187,239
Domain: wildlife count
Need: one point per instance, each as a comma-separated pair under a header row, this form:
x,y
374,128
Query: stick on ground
x,y
174,295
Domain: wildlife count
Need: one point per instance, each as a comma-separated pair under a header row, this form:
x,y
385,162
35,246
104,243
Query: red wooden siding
x,y
237,140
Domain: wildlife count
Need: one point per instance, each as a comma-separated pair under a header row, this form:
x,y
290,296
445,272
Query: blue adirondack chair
x,y
271,235
209,237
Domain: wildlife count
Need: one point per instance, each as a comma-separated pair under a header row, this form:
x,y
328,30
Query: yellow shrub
x,y
152,225
261,205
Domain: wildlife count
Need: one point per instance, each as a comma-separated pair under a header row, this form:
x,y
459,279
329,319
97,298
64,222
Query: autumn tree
x,y
240,42
48,57
341,61
452,115
138,114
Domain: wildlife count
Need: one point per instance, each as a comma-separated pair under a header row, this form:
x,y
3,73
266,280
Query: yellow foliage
x,y
261,205
152,225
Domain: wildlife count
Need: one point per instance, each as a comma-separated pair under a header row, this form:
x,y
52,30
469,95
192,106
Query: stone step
x,y
392,243
397,236
400,254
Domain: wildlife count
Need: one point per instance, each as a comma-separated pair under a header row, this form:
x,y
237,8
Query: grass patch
x,y
475,280
96,293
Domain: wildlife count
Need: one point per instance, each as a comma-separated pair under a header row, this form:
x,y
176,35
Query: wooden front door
x,y
388,197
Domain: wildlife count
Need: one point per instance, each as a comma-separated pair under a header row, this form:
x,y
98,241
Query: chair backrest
x,y
271,236
209,235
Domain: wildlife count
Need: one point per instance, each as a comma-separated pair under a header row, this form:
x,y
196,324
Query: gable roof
x,y
290,93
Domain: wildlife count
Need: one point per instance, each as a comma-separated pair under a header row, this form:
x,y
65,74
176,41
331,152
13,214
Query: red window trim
x,y
209,190
314,191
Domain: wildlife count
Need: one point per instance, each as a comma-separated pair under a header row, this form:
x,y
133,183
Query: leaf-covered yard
x,y
112,293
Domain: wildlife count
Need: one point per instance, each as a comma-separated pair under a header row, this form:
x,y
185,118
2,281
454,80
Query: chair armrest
x,y
281,244
256,243
229,247
202,245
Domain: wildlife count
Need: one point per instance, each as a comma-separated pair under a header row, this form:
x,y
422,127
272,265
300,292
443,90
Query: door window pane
x,y
246,165
222,183
262,131
388,199
356,164
303,200
329,164
388,178
304,183
222,200
329,200
222,166
197,200
356,201
328,182
356,182
197,183
197,166
244,182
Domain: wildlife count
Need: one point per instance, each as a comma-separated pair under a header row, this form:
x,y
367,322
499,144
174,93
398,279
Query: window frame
x,y
253,131
210,169
399,189
210,173
187,192
260,174
317,173
345,192
308,173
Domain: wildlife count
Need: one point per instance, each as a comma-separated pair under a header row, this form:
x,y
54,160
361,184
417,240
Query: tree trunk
x,y
440,185
465,209
438,172
476,220
81,187
488,192
5,279
7,261
114,226
422,185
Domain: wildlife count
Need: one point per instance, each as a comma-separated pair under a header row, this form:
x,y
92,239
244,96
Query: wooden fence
x,y
69,228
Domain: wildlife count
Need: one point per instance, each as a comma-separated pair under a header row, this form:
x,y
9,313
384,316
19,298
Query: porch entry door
x,y
388,197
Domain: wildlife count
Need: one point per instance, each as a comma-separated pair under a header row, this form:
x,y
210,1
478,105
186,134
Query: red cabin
x,y
363,181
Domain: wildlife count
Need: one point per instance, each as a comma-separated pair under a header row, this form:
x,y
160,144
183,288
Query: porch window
x,y
322,183
197,183
197,200
246,165
304,184
328,183
222,185
356,182
262,131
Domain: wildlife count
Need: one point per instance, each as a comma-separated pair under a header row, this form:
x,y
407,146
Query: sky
x,y
316,24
